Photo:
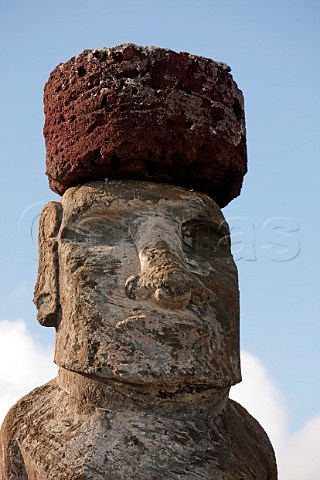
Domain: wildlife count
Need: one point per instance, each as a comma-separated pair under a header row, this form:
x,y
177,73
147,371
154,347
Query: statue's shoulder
x,y
20,411
250,440
16,427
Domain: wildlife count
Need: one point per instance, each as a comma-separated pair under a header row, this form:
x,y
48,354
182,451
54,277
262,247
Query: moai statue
x,y
137,277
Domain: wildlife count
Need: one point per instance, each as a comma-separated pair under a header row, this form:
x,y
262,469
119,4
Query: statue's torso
x,y
52,438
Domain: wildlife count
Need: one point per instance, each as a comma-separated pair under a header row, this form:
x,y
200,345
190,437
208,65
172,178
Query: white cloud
x,y
24,364
297,453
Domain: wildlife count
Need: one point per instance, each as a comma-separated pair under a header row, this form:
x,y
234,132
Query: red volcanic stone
x,y
145,113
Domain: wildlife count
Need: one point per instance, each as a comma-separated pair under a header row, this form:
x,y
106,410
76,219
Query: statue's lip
x,y
155,320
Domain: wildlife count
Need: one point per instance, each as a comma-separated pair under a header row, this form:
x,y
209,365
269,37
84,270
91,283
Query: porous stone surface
x,y
145,303
145,113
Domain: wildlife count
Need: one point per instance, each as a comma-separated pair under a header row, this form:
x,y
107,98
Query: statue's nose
x,y
166,279
178,289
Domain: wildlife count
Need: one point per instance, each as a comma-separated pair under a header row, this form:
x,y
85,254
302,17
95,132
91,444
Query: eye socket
x,y
97,232
204,240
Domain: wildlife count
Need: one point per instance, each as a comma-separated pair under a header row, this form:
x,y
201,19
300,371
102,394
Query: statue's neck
x,y
163,400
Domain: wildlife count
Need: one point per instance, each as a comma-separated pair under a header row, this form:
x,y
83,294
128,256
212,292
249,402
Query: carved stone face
x,y
148,287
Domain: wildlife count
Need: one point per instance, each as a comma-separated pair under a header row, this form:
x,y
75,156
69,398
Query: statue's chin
x,y
152,374
185,368
159,349
178,349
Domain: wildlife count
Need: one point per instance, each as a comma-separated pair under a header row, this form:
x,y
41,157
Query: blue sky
x,y
272,48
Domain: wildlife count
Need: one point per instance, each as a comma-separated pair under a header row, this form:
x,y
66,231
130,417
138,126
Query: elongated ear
x,y
46,292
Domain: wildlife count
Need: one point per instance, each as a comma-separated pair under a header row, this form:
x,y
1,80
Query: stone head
x,y
140,284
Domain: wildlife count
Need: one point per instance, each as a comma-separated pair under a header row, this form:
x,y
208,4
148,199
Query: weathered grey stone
x,y
144,296
145,303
